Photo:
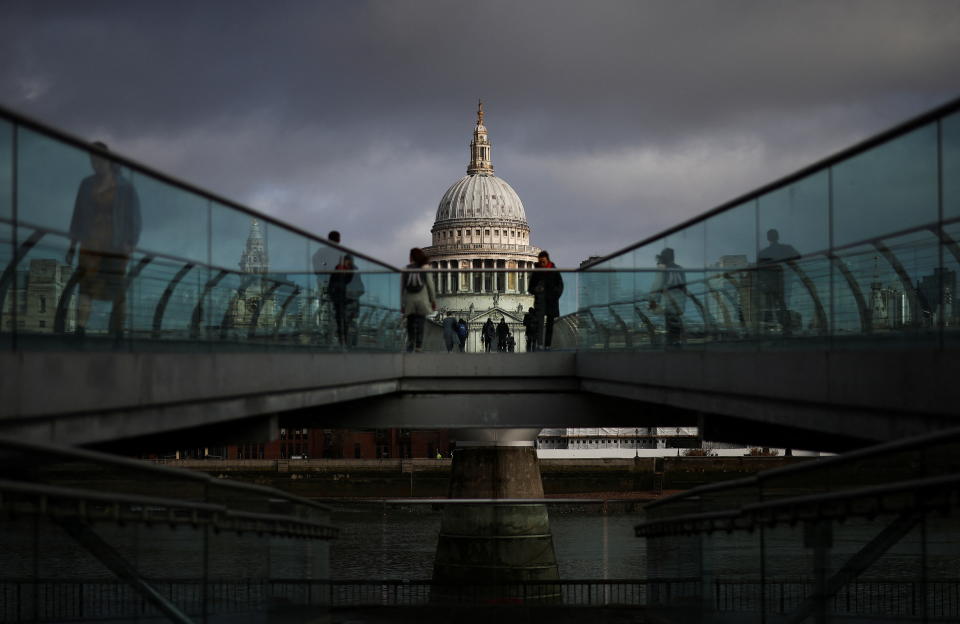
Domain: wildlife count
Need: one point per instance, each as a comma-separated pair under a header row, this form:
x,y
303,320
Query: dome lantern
x,y
480,147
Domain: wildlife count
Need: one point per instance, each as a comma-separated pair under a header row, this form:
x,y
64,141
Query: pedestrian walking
x,y
462,331
502,332
531,325
417,298
489,335
546,286
449,331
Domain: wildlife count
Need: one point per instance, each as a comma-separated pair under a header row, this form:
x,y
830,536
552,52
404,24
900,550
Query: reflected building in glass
x,y
481,224
255,305
36,294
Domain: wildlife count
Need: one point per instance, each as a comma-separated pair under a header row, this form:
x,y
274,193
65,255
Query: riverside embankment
x,y
394,478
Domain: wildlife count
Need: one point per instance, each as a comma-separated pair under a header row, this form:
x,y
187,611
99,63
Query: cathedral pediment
x,y
495,314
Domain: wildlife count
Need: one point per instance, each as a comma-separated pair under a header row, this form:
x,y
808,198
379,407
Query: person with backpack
x,y
546,286
345,288
668,295
418,298
462,331
488,333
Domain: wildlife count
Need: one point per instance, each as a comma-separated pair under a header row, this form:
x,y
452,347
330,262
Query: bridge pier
x,y
502,544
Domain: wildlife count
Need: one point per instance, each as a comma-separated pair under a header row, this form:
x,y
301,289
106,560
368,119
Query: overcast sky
x,y
611,120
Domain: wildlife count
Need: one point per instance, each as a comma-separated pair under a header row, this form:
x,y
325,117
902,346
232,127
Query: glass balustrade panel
x,y
792,298
731,257
950,235
8,244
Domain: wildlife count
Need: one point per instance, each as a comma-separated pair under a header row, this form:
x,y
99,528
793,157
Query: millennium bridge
x,y
818,312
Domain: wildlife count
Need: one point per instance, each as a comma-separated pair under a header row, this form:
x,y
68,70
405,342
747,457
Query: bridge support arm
x,y
114,562
857,564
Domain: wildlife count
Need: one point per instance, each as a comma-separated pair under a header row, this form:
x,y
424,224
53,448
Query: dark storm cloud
x,y
611,119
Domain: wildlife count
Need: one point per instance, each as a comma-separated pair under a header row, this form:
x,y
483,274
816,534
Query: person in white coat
x,y
418,298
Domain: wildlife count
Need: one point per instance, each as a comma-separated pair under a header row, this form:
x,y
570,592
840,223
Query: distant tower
x,y
254,258
254,304
481,223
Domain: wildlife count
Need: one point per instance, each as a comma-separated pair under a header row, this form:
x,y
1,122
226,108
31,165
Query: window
x,y
478,232
42,323
458,233
496,232
357,454
43,305
486,232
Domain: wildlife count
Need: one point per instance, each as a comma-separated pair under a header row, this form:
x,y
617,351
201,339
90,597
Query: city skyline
x,y
613,121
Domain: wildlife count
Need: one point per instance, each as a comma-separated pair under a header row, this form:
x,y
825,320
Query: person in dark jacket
x,y
105,226
530,322
449,331
546,286
488,334
462,331
502,332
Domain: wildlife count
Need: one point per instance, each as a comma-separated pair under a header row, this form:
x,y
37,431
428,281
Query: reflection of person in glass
x,y
668,295
325,261
106,227
345,288
771,282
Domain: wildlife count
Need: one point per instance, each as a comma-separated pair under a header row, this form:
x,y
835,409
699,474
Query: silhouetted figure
x,y
105,226
449,331
771,281
462,331
488,335
417,298
668,295
511,343
531,325
546,286
502,332
345,288
325,261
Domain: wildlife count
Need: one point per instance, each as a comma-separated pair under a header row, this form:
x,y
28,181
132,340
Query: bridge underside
x,y
805,399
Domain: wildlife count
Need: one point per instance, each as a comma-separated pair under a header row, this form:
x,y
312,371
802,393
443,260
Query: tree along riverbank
x,y
634,478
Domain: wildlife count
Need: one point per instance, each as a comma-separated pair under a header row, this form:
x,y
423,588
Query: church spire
x,y
480,147
254,257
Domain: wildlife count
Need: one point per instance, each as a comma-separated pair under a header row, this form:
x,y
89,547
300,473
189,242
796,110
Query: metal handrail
x,y
219,514
19,119
72,453
753,510
886,448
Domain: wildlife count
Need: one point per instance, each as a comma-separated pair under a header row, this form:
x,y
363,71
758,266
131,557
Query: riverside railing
x,y
868,532
86,535
79,600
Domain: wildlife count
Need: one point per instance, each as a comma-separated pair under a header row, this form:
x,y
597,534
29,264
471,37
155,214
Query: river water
x,y
379,541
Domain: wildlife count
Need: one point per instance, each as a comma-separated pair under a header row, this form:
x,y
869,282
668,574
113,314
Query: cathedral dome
x,y
479,196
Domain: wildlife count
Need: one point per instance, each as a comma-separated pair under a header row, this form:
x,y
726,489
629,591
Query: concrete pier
x,y
486,548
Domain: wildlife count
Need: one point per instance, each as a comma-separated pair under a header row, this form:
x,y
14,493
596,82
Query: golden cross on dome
x,y
479,112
